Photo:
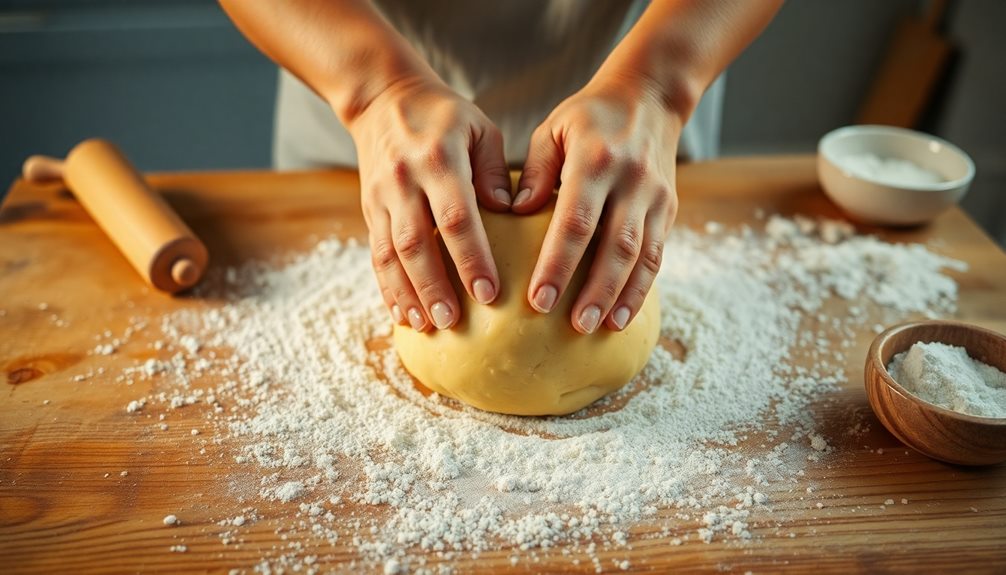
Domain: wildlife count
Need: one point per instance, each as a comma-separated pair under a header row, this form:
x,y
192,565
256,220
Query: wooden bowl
x,y
934,431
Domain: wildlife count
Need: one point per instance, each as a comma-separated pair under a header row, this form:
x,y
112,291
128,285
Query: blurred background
x,y
178,88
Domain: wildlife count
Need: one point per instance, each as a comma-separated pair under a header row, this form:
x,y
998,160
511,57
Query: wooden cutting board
x,y
65,506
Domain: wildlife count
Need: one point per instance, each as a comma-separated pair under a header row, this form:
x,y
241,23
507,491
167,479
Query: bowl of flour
x,y
892,176
940,387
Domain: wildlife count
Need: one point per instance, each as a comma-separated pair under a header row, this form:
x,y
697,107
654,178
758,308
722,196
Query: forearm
x,y
679,47
343,49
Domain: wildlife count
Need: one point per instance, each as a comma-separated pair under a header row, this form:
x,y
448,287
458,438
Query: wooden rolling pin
x,y
141,224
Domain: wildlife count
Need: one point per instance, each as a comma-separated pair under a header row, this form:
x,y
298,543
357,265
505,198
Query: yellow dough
x,y
508,358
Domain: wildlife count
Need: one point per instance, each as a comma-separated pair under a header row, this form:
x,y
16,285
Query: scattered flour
x,y
136,405
105,349
288,491
890,171
300,380
945,375
818,443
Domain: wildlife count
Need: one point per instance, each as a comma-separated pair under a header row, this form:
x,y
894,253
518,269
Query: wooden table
x,y
64,506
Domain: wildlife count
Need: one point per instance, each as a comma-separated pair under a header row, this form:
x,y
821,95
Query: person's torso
x,y
516,60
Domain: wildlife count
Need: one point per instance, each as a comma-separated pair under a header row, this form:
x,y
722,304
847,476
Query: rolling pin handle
x,y
42,169
185,272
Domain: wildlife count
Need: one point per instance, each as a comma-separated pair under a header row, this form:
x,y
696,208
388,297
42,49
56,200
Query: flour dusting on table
x,y
314,402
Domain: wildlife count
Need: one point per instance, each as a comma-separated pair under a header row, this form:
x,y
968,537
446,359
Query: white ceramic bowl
x,y
879,201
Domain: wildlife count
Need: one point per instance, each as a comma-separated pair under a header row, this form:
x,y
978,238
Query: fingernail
x,y
621,317
522,196
416,319
544,298
396,313
589,318
484,290
502,195
442,315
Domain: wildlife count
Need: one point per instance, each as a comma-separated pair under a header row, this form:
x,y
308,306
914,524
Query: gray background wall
x,y
178,88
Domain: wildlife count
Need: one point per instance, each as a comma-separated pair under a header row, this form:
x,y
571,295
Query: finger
x,y
452,202
640,281
620,243
577,212
541,172
490,173
417,249
389,301
396,289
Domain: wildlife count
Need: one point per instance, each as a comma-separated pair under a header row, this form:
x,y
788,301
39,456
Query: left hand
x,y
612,145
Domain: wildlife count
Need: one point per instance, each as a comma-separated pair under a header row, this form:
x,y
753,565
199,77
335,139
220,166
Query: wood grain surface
x,y
65,505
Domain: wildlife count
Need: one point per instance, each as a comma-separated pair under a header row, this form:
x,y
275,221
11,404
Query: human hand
x,y
612,145
425,155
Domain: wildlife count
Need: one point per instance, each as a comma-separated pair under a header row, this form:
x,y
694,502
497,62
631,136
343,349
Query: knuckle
x,y
559,268
547,130
672,208
635,293
451,111
532,171
435,156
403,295
388,295
608,289
400,171
428,288
627,243
664,197
601,158
409,242
635,168
469,264
578,223
383,255
541,154
652,255
501,171
541,137
455,219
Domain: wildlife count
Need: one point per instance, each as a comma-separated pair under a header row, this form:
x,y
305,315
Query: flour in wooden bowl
x,y
322,415
945,375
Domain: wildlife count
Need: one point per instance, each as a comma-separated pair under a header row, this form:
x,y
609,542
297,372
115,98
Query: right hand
x,y
425,155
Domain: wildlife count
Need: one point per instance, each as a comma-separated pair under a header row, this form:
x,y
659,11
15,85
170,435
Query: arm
x,y
345,51
679,47
425,153
611,148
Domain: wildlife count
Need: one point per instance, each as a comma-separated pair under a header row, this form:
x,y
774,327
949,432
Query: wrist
x,y
349,95
350,102
676,96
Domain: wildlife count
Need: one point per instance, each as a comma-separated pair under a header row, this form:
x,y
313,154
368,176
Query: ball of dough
x,y
508,358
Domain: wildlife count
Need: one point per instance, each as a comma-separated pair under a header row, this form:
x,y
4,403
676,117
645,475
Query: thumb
x,y
490,174
541,172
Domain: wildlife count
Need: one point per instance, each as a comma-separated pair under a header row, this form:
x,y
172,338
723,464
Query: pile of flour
x,y
947,376
308,391
890,171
